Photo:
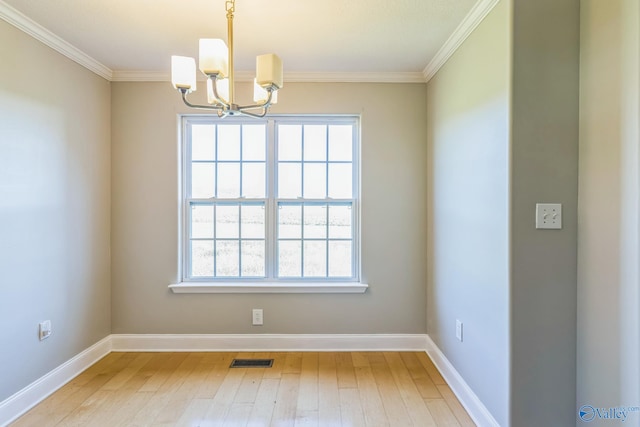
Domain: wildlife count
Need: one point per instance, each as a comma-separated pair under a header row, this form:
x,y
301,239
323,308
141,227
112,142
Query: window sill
x,y
269,288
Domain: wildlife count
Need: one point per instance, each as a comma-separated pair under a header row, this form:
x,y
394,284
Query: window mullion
x,y
326,189
240,236
302,240
186,207
271,214
326,235
215,241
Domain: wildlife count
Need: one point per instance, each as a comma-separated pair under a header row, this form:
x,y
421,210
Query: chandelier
x,y
216,62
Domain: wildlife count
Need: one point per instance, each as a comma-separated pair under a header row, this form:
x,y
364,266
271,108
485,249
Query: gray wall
x,y
544,169
54,208
608,298
503,134
393,227
468,125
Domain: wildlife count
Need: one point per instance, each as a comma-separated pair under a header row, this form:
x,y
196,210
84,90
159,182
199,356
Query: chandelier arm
x,y
223,103
243,108
201,107
257,116
264,104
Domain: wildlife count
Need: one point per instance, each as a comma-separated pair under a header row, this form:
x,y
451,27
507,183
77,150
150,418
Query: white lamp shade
x,y
223,90
183,73
214,57
269,70
260,94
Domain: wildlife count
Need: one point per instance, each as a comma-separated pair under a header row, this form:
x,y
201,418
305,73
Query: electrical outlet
x,y
257,317
459,330
44,329
549,215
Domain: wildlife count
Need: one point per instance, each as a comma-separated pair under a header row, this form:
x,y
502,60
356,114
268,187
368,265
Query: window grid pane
x,y
320,234
228,240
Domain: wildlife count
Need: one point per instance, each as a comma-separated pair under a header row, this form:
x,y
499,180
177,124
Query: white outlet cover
x,y
44,329
257,315
549,216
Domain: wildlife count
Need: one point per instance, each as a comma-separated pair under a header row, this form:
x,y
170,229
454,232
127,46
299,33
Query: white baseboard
x,y
269,342
25,399
16,405
476,409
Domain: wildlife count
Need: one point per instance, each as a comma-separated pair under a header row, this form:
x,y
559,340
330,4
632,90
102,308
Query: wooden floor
x,y
301,389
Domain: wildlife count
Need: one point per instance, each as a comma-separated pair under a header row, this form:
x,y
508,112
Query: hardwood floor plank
x,y
278,364
420,376
129,409
441,413
359,358
125,400
346,373
351,411
248,389
238,415
171,361
308,388
431,368
370,398
185,389
83,414
328,396
266,398
194,413
223,399
390,394
55,409
454,404
413,401
308,397
284,412
218,366
129,371
293,363
167,382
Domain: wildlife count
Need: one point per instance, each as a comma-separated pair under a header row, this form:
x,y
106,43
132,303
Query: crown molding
x,y
475,16
361,77
140,76
296,77
162,76
38,32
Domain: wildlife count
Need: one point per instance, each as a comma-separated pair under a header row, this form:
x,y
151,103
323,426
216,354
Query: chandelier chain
x,y
230,6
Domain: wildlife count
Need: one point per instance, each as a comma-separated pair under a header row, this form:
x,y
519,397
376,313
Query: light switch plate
x,y
549,216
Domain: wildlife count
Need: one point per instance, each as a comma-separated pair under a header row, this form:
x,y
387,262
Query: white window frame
x,y
270,283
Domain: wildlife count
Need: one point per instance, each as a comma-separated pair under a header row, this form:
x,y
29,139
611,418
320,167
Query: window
x,y
270,199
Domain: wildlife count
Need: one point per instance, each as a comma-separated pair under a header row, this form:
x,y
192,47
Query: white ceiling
x,y
329,36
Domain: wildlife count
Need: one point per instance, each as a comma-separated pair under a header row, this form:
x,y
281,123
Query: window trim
x,y
270,283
